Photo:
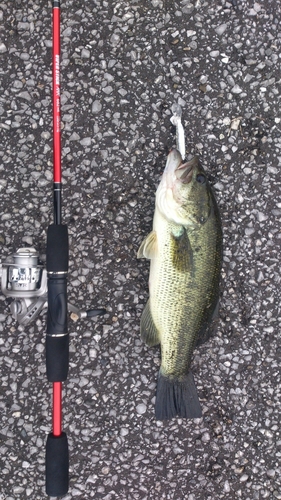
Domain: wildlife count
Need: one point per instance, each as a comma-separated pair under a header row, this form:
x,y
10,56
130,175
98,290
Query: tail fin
x,y
176,398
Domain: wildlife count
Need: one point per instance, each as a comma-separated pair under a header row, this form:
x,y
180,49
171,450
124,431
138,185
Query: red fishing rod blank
x,y
57,338
57,408
56,113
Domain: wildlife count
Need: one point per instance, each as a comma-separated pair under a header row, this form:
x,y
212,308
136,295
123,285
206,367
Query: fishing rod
x,y
57,338
31,288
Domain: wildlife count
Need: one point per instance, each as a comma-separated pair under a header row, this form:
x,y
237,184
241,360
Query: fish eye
x,y
201,178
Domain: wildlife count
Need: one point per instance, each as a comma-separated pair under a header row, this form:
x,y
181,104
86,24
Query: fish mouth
x,y
184,171
174,159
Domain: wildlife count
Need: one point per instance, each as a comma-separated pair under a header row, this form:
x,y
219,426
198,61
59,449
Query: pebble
x,y
203,79
67,31
214,53
18,489
86,141
221,29
261,217
206,437
25,95
190,33
141,409
74,137
96,107
25,56
93,353
226,487
85,53
22,26
236,89
270,473
107,90
114,39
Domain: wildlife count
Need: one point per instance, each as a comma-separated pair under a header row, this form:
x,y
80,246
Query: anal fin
x,y
209,327
149,332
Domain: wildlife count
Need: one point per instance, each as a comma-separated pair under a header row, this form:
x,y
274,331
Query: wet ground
x,y
124,64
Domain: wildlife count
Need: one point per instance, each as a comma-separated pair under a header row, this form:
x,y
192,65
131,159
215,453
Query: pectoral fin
x,y
182,252
149,247
149,333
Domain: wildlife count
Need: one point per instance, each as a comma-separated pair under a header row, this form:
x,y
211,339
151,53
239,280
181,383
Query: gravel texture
x,y
124,64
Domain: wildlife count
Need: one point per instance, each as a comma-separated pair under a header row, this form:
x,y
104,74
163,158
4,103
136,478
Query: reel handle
x,y
91,313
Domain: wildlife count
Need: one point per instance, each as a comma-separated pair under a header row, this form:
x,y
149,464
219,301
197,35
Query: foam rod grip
x,y
57,306
57,248
57,358
57,465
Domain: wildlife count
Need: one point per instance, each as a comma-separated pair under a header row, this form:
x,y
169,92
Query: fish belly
x,y
168,289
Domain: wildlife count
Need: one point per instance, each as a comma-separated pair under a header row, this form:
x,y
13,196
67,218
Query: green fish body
x,y
185,250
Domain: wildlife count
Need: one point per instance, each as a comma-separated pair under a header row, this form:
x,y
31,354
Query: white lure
x,y
176,120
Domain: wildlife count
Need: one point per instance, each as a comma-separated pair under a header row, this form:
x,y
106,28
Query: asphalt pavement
x,y
123,65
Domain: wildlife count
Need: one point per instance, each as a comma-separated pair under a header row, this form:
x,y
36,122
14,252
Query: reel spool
x,y
24,279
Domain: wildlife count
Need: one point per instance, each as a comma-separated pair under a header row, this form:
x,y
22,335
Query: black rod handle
x,y
57,339
57,465
57,305
57,358
57,248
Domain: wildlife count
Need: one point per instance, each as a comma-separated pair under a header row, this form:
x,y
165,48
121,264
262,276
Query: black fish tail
x,y
176,397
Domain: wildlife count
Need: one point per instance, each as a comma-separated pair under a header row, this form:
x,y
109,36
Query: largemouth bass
x,y
185,252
